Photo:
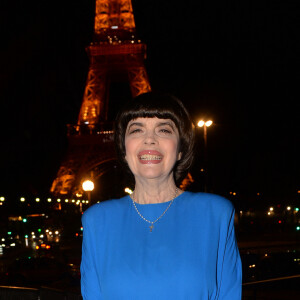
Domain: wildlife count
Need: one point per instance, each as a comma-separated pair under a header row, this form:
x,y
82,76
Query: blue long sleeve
x,y
230,271
90,286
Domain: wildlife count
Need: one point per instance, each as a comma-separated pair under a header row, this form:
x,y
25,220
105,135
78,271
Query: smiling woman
x,y
160,242
172,117
152,149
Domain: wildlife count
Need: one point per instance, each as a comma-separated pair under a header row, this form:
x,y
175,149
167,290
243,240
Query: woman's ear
x,y
179,156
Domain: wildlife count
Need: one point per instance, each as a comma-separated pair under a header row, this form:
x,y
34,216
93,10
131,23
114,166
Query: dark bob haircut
x,y
162,106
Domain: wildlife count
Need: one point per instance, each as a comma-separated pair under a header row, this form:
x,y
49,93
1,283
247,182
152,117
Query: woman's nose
x,y
150,138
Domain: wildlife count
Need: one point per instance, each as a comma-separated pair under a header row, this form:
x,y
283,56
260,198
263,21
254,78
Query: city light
x,y
202,123
128,191
88,185
271,211
208,123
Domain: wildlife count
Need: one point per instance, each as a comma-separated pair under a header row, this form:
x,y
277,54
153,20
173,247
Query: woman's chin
x,y
151,174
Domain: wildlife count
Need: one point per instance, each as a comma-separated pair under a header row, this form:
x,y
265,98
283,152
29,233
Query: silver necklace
x,y
148,221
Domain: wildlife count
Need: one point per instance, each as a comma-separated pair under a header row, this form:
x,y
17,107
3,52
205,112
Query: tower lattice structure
x,y
114,53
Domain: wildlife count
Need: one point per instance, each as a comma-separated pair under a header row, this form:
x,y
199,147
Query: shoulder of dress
x,y
213,201
99,209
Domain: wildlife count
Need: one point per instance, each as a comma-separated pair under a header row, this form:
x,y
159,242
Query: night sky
x,y
236,62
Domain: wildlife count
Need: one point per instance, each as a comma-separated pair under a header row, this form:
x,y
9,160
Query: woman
x,y
160,242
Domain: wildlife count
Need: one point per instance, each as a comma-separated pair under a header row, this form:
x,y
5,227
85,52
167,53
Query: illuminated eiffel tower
x,y
114,53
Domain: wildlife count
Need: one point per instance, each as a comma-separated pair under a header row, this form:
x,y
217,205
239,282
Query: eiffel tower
x,y
114,54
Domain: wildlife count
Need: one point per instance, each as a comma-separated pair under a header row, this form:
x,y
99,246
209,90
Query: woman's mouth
x,y
150,157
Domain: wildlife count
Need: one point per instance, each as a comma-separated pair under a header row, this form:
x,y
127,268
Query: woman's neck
x,y
146,193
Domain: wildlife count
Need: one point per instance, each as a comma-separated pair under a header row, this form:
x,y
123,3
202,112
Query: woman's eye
x,y
164,130
137,130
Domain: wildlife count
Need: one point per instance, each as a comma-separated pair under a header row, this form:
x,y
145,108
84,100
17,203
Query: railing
x,y
22,293
282,288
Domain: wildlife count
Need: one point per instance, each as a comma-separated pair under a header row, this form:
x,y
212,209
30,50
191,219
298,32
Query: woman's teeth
x,y
150,157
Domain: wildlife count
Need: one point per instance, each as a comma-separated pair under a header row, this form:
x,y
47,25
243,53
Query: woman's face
x,y
151,147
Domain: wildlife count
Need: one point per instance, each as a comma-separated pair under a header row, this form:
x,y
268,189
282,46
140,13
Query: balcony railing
x,y
283,288
22,293
275,288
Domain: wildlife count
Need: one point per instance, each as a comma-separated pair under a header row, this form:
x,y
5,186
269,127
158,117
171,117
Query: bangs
x,y
158,107
129,116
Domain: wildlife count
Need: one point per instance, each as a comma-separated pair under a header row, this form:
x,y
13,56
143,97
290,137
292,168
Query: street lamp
x,y
205,124
87,186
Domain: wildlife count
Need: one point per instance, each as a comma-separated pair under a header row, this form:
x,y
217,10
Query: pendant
x,y
151,227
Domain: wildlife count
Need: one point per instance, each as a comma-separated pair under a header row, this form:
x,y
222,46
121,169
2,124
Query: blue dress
x,y
190,254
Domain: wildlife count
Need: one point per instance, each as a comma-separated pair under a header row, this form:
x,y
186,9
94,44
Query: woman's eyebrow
x,y
166,123
135,124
